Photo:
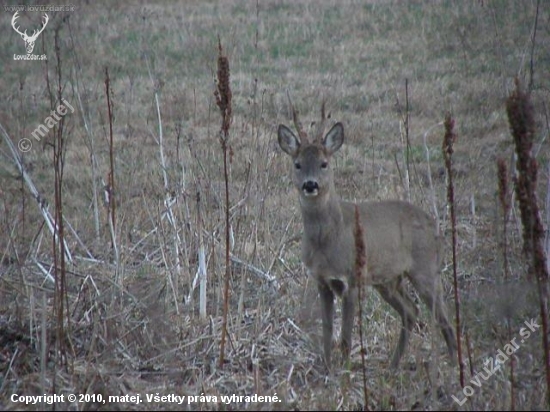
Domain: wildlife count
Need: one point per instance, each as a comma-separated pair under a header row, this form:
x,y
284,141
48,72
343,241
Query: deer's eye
x,y
324,165
297,165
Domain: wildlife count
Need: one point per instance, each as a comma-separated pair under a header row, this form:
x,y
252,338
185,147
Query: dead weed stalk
x,y
448,142
522,127
502,174
223,100
360,260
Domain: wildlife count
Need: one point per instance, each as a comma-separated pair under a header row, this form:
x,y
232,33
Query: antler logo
x,y
29,40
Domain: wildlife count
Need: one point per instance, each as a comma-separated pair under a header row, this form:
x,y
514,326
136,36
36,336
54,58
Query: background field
x,y
134,323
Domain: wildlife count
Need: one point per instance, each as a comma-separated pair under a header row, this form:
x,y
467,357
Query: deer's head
x,y
312,172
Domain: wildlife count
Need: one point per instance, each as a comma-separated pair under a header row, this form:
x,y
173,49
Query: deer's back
x,y
399,237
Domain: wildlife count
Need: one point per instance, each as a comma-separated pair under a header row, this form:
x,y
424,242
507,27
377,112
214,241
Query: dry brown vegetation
x,y
132,324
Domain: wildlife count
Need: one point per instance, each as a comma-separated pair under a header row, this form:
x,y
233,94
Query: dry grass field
x,y
127,321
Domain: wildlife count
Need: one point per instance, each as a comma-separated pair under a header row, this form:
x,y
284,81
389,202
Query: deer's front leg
x,y
348,313
327,312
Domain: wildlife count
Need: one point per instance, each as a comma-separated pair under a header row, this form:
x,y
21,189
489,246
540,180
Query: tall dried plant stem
x,y
112,203
448,142
505,205
62,342
430,181
89,137
405,176
111,179
522,126
43,344
183,184
360,260
169,196
202,262
223,100
547,206
60,295
406,122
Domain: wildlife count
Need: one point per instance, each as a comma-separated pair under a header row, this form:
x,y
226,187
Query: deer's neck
x,y
323,218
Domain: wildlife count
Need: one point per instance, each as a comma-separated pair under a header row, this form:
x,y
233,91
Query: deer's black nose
x,y
310,186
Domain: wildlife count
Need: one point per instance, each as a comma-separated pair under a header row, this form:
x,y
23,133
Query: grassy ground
x,y
134,325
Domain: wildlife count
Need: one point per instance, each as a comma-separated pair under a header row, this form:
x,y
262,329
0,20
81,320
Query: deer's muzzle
x,y
310,188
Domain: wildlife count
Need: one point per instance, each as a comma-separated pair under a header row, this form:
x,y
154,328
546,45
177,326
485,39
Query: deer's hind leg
x,y
397,297
431,293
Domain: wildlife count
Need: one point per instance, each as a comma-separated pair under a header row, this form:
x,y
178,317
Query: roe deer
x,y
399,240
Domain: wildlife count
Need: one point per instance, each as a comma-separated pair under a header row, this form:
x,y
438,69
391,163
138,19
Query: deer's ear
x,y
288,140
334,138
